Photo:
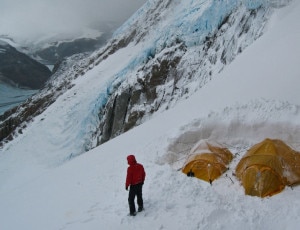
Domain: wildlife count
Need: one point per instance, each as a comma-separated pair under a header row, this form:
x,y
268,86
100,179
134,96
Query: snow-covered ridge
x,y
198,18
7,40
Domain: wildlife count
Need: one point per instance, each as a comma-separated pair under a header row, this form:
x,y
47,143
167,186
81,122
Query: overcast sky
x,y
29,19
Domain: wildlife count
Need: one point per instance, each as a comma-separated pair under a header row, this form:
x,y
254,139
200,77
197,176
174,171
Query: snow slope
x,y
255,97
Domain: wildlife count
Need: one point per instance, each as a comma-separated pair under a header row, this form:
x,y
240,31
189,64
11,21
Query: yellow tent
x,y
268,167
207,161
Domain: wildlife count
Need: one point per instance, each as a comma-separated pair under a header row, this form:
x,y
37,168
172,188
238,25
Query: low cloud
x,y
32,19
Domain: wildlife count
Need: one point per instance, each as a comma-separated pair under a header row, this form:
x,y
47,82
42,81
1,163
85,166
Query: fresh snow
x,y
253,98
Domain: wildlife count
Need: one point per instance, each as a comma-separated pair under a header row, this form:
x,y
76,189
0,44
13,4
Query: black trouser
x,y
135,190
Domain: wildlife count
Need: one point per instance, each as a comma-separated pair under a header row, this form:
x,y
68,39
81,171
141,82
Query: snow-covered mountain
x,y
235,82
19,69
50,50
20,75
28,64
176,48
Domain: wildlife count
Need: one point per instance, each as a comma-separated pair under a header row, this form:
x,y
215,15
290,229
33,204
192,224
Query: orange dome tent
x,y
207,161
268,167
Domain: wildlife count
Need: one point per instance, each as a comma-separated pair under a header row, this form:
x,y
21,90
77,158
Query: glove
x,y
126,188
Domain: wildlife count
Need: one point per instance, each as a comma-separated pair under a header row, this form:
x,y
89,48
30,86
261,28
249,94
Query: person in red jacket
x,y
135,179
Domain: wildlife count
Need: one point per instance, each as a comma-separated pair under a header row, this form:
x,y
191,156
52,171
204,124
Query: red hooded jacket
x,y
135,172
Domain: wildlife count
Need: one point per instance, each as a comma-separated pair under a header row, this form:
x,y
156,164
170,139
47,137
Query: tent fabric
x,y
268,167
207,161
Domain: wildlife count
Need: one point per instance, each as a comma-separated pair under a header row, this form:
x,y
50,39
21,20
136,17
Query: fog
x,y
33,19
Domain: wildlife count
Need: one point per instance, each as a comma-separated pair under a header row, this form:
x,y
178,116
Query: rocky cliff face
x,y
19,69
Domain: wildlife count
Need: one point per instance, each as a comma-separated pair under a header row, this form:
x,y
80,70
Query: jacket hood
x,y
131,160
